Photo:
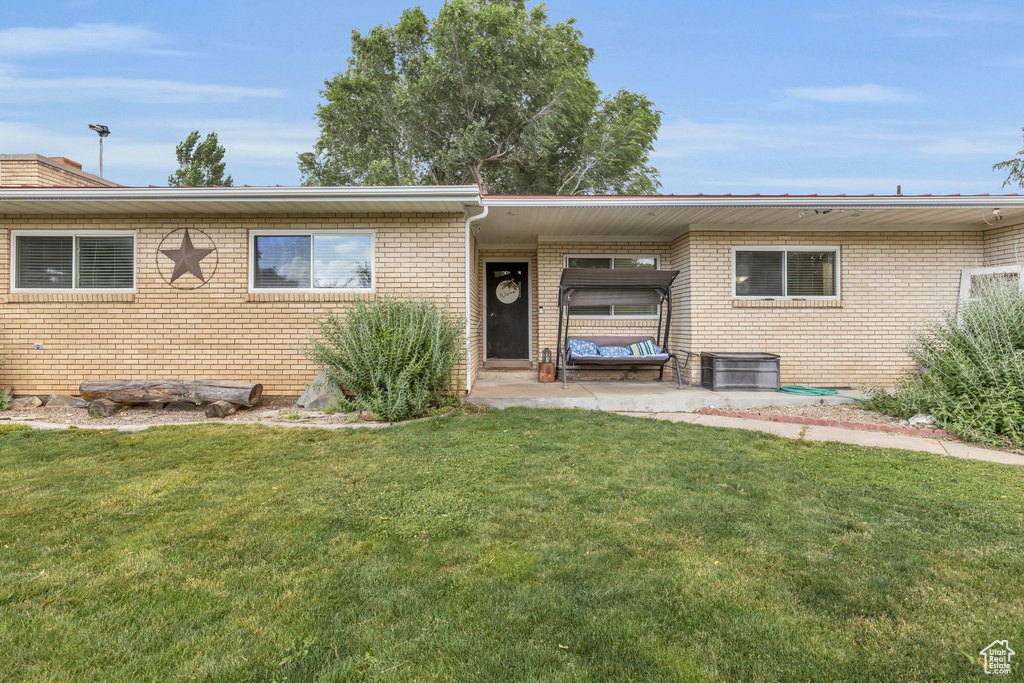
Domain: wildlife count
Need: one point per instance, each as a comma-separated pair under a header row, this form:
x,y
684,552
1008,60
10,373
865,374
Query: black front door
x,y
508,310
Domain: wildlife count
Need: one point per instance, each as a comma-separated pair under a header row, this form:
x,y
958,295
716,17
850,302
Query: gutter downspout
x,y
469,223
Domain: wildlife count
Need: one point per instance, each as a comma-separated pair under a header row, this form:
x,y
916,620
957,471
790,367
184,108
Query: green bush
x,y
972,377
395,355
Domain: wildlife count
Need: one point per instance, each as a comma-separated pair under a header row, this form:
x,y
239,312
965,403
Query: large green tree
x,y
200,164
487,92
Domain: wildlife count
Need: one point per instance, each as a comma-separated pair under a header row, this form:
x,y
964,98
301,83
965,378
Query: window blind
x,y
810,273
342,261
44,261
759,273
282,262
105,262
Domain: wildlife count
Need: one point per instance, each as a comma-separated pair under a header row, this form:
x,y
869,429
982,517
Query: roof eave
x,y
465,194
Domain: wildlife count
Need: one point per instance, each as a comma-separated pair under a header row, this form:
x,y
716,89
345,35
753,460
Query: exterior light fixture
x,y
103,132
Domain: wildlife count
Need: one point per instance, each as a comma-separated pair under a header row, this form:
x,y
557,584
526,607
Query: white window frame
x,y
15,234
967,273
785,278
253,234
612,257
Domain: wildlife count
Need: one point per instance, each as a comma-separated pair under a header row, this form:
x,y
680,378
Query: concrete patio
x,y
504,389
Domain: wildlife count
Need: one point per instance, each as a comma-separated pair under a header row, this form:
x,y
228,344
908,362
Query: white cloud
x,y
991,145
843,185
850,138
250,140
853,139
955,15
148,147
29,41
868,93
25,138
16,88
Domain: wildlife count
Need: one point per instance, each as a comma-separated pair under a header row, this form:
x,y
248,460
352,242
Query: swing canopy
x,y
607,286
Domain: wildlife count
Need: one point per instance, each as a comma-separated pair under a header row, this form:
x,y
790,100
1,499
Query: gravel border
x,y
786,415
273,411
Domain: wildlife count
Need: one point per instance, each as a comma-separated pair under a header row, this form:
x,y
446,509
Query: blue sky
x,y
757,97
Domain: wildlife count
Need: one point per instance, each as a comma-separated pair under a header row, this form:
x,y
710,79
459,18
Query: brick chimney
x,y
35,170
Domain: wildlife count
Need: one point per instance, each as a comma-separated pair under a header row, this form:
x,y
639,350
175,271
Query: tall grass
x,y
972,370
395,355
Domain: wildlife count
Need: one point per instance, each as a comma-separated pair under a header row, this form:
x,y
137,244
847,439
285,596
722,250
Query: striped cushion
x,y
646,348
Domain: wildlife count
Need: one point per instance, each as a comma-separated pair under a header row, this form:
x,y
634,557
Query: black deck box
x,y
739,371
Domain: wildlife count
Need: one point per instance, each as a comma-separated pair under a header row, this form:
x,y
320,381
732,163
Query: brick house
x,y
834,284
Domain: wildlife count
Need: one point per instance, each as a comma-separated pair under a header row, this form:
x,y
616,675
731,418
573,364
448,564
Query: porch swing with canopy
x,y
615,287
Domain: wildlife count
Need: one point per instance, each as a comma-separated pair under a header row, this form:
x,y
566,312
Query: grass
x,y
517,544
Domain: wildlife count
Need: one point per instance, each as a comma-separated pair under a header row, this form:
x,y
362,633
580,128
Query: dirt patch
x,y
848,412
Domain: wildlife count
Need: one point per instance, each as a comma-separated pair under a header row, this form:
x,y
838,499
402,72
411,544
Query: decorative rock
x,y
921,420
319,393
365,415
103,407
180,405
61,401
25,402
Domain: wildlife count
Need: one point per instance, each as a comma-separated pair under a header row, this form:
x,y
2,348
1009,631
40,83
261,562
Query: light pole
x,y
103,132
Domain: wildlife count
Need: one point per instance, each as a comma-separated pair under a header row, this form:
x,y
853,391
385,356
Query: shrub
x,y
395,355
5,400
972,377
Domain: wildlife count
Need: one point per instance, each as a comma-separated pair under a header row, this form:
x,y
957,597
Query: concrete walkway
x,y
506,390
851,436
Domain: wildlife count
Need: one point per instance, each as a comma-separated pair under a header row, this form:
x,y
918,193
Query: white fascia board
x,y
824,202
465,194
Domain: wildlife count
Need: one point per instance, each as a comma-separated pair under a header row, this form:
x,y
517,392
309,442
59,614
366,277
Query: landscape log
x,y
169,390
103,407
220,409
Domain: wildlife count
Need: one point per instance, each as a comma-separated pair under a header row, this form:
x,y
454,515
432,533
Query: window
x,y
313,261
791,273
635,262
68,262
975,281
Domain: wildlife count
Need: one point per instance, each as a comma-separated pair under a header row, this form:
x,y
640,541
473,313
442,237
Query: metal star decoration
x,y
186,258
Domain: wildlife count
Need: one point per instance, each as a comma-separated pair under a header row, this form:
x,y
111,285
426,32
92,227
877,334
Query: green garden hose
x,y
798,390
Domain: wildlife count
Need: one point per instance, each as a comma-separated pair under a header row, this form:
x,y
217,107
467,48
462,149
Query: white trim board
x,y
14,289
253,234
784,248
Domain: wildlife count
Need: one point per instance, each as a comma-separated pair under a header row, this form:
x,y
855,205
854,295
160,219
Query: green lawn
x,y
518,544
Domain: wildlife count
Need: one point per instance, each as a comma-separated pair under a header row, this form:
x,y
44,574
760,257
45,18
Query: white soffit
x,y
522,220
